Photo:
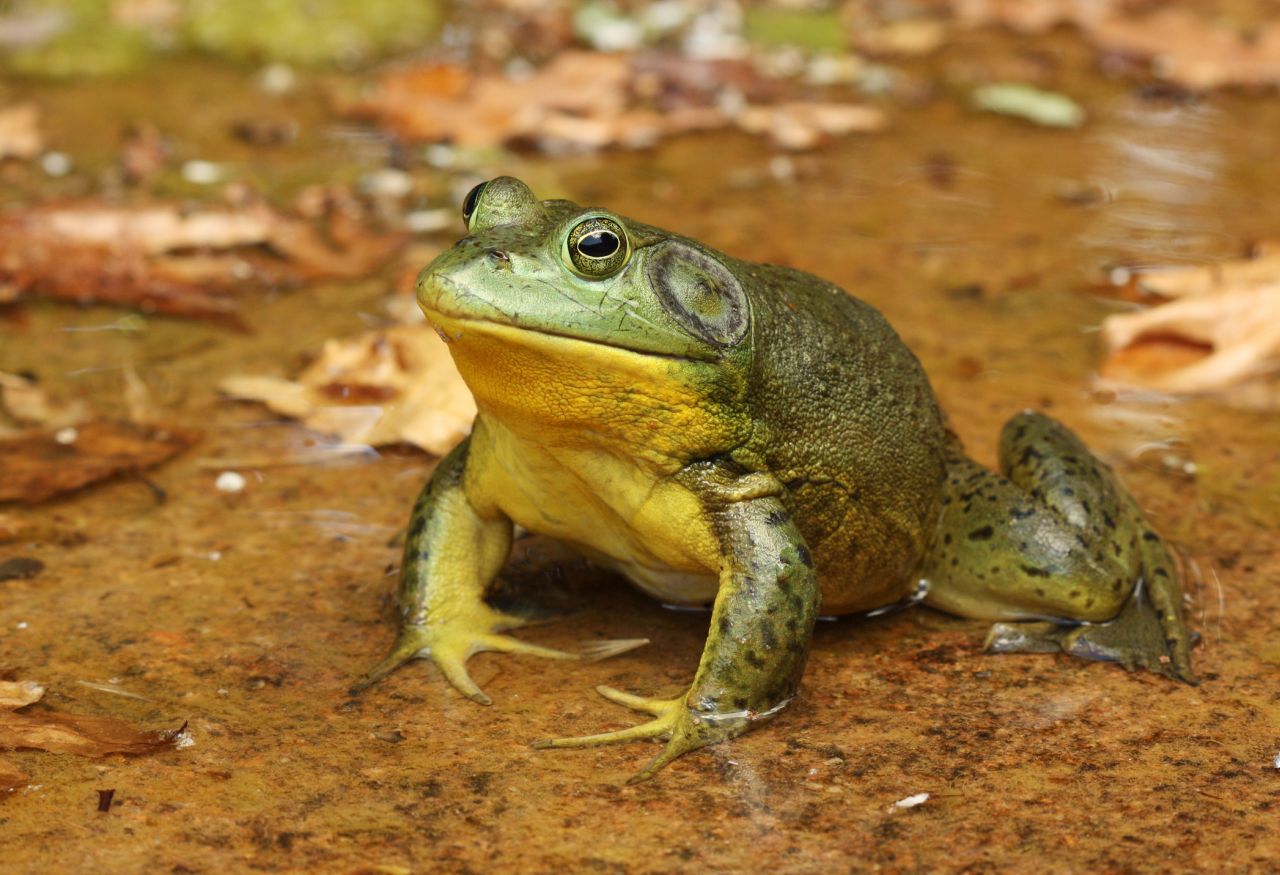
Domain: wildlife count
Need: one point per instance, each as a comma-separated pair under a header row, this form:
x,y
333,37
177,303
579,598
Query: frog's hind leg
x,y
1055,542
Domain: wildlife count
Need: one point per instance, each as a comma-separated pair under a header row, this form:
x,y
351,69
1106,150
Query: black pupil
x,y
598,244
469,205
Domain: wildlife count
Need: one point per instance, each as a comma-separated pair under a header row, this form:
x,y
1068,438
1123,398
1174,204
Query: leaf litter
x,y
395,385
58,447
79,734
176,260
1219,330
581,101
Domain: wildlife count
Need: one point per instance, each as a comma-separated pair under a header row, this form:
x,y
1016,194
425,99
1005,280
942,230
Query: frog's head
x,y
546,296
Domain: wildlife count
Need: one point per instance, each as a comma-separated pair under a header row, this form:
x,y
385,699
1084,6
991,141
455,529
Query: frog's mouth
x,y
631,333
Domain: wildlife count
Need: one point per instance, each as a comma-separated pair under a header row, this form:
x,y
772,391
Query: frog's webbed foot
x,y
1136,638
449,645
684,729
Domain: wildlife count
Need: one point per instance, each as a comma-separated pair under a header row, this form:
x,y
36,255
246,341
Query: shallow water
x,y
249,614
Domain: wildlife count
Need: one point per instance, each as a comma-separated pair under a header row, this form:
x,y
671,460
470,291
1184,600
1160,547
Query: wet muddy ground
x,y
248,615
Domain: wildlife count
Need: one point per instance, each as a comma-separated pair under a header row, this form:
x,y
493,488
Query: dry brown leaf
x,y
590,100
164,259
1223,329
382,387
80,734
808,125
40,464
20,131
19,694
1185,46
77,734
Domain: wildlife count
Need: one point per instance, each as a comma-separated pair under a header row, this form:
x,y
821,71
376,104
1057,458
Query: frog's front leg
x,y
452,554
756,646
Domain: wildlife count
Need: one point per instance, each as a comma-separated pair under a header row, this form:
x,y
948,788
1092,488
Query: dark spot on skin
x,y
1160,572
424,555
1150,536
1108,520
740,703
946,538
1032,571
725,625
1088,603
1074,594
1021,513
479,782
767,636
792,625
805,558
982,534
1040,592
1028,454
1068,491
418,526
1118,585
777,517
754,659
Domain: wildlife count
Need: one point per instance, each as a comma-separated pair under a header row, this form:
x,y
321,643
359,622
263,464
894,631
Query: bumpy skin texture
x,y
751,436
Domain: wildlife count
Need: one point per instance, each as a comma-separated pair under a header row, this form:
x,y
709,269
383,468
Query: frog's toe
x,y
1139,637
664,711
412,642
684,729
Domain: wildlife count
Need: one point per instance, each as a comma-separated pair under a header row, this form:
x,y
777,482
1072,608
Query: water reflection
x,y
1163,162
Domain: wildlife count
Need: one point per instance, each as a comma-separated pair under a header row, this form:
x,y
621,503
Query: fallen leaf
x,y
20,131
165,259
397,385
81,734
27,402
591,100
800,126
39,464
19,694
1194,51
1184,46
1047,108
1221,331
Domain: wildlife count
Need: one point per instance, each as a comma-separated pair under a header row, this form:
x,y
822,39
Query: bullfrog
x,y
749,437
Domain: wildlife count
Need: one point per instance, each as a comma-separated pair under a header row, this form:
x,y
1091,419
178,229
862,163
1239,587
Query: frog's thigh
x,y
1052,537
1001,554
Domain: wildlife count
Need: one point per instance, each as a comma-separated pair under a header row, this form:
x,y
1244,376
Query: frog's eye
x,y
598,247
471,201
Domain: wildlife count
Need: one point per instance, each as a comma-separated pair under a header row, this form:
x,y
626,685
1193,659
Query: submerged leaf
x,y
166,259
37,465
81,734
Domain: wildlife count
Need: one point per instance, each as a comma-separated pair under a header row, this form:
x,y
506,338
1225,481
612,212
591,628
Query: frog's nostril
x,y
499,258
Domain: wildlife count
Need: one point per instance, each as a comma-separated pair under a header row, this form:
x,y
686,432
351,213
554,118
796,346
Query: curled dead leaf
x,y
398,385
39,464
1222,330
165,259
81,734
19,694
